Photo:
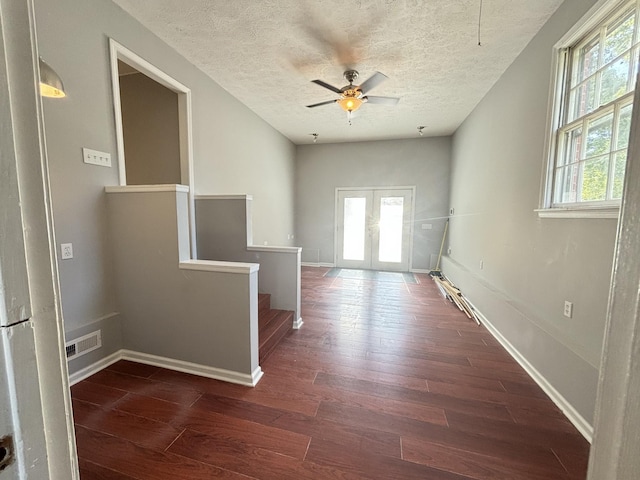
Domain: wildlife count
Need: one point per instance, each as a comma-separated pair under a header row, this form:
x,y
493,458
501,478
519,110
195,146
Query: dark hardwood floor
x,y
385,380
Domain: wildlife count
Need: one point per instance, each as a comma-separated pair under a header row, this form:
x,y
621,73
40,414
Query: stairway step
x,y
264,302
279,325
265,317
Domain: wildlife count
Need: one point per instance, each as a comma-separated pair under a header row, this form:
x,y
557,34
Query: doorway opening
x,y
374,228
173,100
150,129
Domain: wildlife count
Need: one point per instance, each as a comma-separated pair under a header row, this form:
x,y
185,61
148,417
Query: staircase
x,y
273,326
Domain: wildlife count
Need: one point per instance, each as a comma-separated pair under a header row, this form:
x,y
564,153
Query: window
x,y
597,74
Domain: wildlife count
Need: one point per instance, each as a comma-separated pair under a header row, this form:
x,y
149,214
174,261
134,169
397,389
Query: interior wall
x,y
233,149
530,265
420,162
151,131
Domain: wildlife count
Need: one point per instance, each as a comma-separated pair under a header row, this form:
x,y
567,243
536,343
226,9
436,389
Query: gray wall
x,y
110,328
224,233
150,129
234,150
531,265
421,162
201,317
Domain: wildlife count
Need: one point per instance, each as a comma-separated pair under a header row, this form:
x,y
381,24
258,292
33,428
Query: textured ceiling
x,y
266,52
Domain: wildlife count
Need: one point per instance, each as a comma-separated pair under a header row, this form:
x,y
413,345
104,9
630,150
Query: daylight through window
x,y
599,77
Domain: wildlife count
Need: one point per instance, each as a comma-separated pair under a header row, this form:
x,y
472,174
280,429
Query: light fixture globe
x,y
350,101
50,83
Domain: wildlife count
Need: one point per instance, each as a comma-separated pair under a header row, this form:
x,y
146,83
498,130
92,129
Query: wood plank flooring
x,y
385,380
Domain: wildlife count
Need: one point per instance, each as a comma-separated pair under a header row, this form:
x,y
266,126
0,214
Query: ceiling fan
x,y
353,96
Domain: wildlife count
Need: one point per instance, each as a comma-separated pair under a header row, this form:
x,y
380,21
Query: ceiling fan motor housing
x,y
351,75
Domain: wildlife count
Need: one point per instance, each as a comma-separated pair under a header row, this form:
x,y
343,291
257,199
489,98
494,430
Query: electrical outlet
x,y
452,211
94,157
568,309
449,251
66,251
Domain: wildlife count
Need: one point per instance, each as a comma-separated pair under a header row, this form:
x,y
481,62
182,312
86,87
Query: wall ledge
x,y
220,267
249,380
242,196
608,212
146,188
274,249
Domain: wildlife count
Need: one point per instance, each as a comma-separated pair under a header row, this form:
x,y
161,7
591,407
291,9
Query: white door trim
x,y
41,403
617,412
120,52
336,215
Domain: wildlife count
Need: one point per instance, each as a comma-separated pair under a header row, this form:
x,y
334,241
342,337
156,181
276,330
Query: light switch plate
x,y
94,157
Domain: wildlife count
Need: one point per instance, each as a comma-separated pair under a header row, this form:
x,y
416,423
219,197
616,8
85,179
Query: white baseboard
x,y
297,324
312,264
101,364
578,421
170,364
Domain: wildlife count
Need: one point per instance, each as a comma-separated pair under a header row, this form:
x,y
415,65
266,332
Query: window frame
x,y
559,102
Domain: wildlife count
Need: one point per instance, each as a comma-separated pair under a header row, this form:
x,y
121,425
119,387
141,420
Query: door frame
x,y
40,400
120,52
336,216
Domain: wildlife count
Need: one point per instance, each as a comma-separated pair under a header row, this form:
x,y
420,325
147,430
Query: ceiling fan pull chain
x,y
479,23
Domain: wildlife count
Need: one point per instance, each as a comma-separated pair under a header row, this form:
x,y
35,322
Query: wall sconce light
x,y
315,137
420,128
50,83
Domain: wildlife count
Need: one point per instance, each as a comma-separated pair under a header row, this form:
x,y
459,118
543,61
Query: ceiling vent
x,y
83,345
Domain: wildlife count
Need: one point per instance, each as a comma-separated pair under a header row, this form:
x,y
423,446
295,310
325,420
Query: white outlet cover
x,y
66,251
568,309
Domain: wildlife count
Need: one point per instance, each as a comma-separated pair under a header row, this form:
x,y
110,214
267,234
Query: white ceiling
x,y
266,52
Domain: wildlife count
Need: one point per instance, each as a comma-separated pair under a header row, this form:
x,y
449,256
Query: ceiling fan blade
x,y
383,100
327,86
321,103
372,82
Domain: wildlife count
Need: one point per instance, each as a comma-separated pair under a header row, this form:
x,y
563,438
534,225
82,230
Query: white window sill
x,y
585,212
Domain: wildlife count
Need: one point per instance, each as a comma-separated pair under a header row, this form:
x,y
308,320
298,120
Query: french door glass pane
x,y
391,213
354,228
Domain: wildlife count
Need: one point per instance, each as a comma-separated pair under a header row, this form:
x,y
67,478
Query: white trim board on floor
x,y
578,421
170,364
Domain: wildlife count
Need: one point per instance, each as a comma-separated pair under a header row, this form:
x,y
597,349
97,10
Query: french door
x,y
373,228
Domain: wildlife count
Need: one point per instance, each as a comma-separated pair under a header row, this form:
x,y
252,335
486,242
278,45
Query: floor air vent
x,y
85,344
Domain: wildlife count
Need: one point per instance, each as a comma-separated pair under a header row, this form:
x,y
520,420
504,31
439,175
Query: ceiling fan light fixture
x,y
350,104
